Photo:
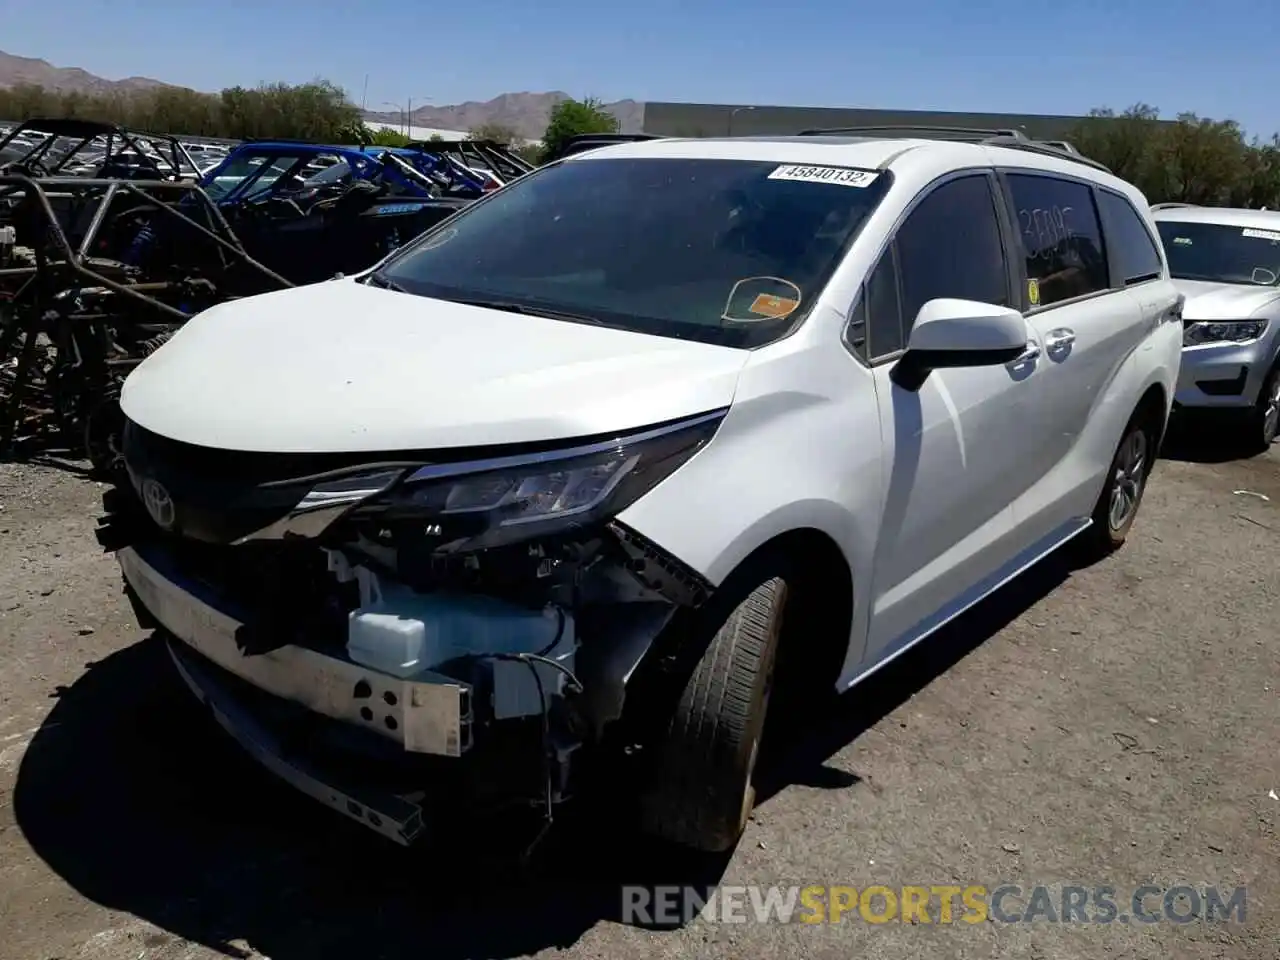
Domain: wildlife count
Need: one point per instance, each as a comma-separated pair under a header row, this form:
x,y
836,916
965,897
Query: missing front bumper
x,y
431,716
395,817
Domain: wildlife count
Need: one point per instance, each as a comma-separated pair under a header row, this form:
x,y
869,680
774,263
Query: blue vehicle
x,y
309,211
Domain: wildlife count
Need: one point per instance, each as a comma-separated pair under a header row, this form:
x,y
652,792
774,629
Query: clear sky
x,y
1214,57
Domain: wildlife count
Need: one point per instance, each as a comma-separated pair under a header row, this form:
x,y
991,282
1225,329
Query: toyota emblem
x,y
158,503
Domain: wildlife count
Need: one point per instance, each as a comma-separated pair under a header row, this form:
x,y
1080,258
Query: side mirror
x,y
959,333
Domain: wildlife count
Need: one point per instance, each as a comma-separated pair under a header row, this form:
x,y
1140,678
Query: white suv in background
x,y
1227,262
574,470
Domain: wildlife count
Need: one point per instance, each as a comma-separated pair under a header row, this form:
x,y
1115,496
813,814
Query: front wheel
x,y
703,790
1265,419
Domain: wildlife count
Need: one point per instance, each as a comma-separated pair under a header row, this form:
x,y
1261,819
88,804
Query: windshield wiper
x,y
549,313
378,280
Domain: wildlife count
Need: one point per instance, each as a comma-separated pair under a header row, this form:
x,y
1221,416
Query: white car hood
x,y
1224,301
342,367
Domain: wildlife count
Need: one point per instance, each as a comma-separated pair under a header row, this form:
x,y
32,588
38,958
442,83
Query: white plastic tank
x,y
401,632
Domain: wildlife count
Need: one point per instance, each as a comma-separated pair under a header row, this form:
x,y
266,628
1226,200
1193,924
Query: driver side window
x,y
949,246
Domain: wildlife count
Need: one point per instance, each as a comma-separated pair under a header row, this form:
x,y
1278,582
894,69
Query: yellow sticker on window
x,y
1033,292
769,305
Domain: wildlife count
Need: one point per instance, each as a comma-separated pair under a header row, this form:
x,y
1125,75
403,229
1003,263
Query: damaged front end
x,y
399,633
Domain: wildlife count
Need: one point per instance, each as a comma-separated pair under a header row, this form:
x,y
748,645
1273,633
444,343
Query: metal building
x,y
721,119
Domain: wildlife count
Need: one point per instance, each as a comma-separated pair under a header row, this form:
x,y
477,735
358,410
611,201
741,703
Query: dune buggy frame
x,y
488,154
78,308
41,160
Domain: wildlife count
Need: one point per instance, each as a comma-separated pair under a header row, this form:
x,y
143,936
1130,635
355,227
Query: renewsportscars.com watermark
x,y
934,903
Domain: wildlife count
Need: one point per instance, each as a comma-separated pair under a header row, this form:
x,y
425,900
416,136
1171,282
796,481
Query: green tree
x,y
387,138
529,152
498,133
572,118
1192,159
317,111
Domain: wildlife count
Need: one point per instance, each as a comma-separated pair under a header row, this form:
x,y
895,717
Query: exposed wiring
x,y
555,641
531,660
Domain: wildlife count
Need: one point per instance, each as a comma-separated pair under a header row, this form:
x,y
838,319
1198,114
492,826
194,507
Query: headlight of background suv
x,y
480,504
1222,331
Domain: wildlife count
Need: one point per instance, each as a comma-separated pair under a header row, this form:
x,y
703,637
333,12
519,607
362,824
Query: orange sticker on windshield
x,y
768,305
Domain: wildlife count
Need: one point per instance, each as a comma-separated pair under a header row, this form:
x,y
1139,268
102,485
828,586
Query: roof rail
x,y
1048,148
925,132
1172,206
1012,138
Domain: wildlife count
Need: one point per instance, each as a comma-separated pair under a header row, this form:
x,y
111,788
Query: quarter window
x,y
1061,238
1134,252
884,312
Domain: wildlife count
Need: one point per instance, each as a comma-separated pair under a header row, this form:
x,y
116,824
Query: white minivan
x,y
576,469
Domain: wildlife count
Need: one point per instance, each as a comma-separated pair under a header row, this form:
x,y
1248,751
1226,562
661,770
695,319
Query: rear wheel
x,y
1117,506
703,790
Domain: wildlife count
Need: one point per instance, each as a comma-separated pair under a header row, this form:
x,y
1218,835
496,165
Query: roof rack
x,y
1012,138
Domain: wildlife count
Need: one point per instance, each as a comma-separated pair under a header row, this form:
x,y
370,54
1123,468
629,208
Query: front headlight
x,y
479,504
1222,331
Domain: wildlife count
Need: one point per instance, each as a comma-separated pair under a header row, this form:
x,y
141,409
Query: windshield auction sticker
x,y
1261,234
754,299
840,176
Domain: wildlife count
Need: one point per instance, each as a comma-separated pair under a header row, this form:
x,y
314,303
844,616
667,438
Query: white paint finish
x,y
340,366
934,497
952,468
1227,301
961,325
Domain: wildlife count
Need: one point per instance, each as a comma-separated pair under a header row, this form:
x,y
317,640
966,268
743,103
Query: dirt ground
x,y
1116,725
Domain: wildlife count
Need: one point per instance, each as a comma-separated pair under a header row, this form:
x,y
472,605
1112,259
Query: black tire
x,y
1264,419
1125,479
703,792
103,429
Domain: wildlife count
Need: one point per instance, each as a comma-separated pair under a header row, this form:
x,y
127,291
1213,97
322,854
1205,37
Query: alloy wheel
x,y
1126,483
1271,410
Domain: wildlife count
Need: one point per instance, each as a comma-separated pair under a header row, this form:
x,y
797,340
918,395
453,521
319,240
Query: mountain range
x,y
525,113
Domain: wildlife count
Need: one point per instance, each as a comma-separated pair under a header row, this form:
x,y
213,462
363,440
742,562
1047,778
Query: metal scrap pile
x,y
110,240
83,300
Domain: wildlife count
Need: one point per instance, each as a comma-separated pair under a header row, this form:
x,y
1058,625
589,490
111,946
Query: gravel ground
x,y
1115,725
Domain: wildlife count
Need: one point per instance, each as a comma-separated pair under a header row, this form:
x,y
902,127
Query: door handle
x,y
1059,339
1030,355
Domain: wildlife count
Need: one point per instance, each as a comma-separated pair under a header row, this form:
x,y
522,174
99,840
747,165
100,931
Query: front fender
x,y
784,459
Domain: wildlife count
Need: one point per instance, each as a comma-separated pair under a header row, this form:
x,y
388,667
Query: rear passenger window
x,y
1061,238
950,246
1133,251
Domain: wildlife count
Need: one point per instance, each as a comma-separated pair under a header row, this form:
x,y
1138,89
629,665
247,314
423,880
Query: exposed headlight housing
x,y
481,504
1200,332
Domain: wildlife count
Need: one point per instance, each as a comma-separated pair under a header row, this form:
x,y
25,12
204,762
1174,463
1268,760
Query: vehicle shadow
x,y
57,459
1195,438
131,794
790,758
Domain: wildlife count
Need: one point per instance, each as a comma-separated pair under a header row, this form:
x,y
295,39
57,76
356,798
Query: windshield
x,y
272,168
1221,254
732,252
335,173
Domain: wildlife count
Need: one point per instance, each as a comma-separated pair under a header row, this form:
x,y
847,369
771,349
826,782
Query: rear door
x,y
1087,321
